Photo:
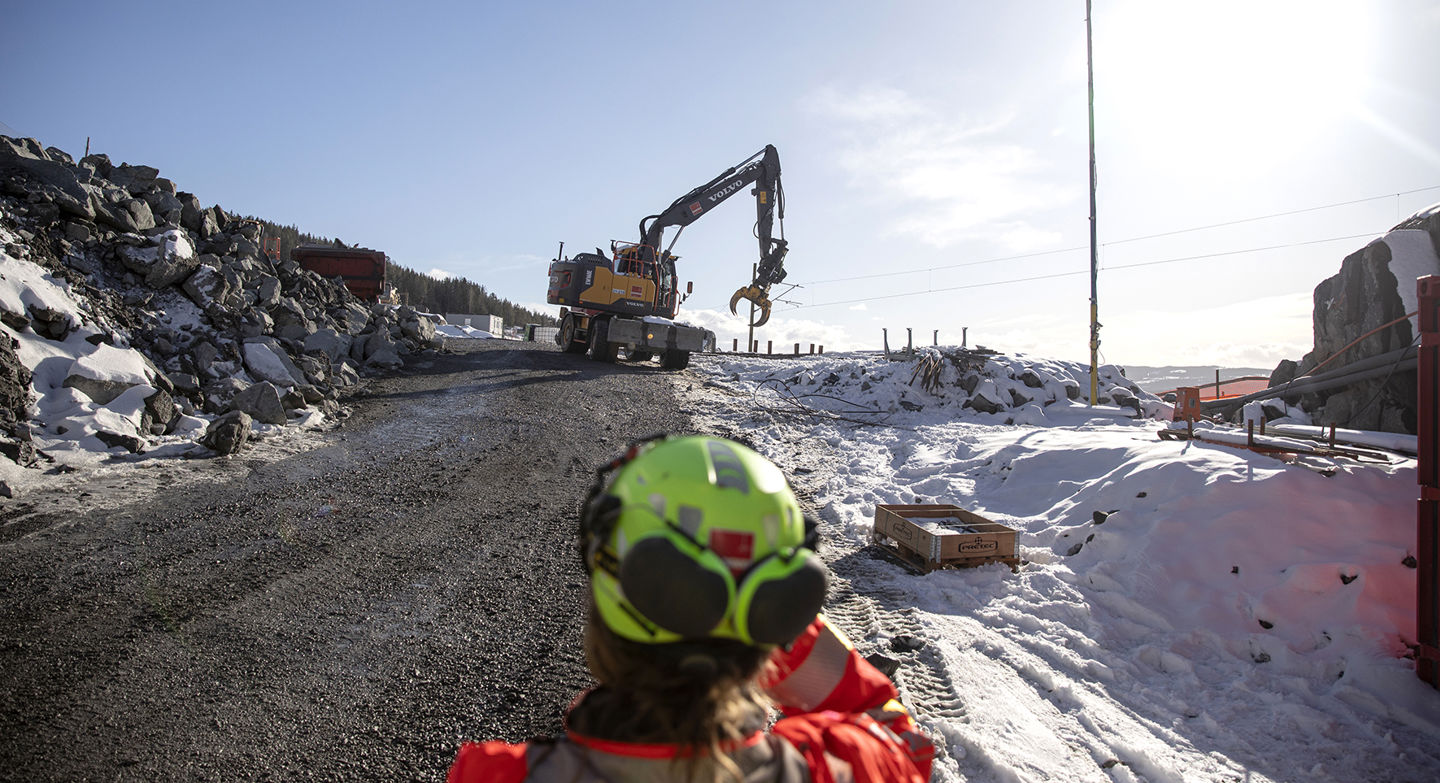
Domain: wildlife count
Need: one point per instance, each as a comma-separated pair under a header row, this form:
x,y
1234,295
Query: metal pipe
x,y
1226,407
1307,383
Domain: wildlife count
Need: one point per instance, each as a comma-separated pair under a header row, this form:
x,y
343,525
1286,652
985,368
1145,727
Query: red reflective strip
x,y
654,750
496,762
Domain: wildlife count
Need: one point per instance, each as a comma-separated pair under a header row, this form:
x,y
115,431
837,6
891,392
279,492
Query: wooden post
x,y
769,347
812,348
822,349
797,349
750,339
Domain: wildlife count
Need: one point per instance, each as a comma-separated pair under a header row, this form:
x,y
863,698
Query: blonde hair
x,y
697,695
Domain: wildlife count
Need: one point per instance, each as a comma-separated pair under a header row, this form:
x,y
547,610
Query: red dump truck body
x,y
362,269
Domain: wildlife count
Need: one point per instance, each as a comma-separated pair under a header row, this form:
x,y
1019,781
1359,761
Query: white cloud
x,y
875,104
956,178
859,307
439,274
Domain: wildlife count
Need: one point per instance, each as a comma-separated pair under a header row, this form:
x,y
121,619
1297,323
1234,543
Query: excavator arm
x,y
762,169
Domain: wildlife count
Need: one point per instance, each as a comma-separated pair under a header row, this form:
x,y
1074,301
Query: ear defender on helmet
x,y
780,597
697,537
677,584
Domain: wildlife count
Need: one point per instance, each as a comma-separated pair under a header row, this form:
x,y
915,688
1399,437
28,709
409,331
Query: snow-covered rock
x,y
268,361
107,372
261,401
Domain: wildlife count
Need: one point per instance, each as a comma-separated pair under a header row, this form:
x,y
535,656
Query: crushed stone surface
x,y
348,606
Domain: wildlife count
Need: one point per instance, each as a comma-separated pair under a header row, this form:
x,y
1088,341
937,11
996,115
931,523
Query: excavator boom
x,y
762,169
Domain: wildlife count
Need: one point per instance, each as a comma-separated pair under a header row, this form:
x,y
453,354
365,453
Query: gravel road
x,y
349,611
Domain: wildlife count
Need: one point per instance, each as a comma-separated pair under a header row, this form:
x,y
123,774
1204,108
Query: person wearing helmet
x,y
704,614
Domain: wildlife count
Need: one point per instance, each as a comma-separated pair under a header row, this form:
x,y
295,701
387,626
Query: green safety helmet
x,y
697,537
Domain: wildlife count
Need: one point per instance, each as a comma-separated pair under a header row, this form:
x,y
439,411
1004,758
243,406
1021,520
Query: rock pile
x,y
219,327
945,381
1358,315
988,382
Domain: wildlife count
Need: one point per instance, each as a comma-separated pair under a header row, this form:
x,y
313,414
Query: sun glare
x,y
1239,81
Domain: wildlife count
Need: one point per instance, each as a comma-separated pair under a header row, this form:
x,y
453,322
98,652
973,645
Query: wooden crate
x,y
940,535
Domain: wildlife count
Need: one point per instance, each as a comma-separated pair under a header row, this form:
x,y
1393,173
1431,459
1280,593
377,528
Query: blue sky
x,y
934,153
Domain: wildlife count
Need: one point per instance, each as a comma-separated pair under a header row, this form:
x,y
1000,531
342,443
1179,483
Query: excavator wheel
x,y
601,349
567,337
675,359
641,355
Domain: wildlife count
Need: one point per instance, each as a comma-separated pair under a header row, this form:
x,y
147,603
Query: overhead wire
x,y
1074,273
1128,240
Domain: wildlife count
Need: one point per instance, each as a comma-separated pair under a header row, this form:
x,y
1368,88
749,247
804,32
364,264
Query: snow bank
x,y
1187,611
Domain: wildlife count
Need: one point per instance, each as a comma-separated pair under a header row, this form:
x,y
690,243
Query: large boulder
x,y
217,395
15,380
206,285
120,211
108,372
61,182
228,433
267,360
136,179
351,318
158,414
170,260
1358,314
986,398
262,401
195,218
328,342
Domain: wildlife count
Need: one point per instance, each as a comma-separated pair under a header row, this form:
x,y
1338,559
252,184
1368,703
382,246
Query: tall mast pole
x,y
750,341
1094,247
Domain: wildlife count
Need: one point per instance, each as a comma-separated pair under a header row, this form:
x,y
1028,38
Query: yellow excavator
x,y
626,299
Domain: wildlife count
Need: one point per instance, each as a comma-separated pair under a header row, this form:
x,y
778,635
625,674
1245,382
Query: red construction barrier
x,y
1427,517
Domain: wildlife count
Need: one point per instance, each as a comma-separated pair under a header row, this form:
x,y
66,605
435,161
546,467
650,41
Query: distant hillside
x,y
458,295
453,295
1162,379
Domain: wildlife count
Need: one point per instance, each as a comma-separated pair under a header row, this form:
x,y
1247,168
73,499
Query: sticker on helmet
x,y
735,547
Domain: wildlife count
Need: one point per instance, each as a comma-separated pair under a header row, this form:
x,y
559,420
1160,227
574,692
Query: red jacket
x,y
843,722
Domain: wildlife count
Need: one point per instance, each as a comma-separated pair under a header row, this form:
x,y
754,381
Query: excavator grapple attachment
x,y
756,295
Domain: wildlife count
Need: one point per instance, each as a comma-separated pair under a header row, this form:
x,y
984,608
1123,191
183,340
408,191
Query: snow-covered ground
x,y
1228,617
465,331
